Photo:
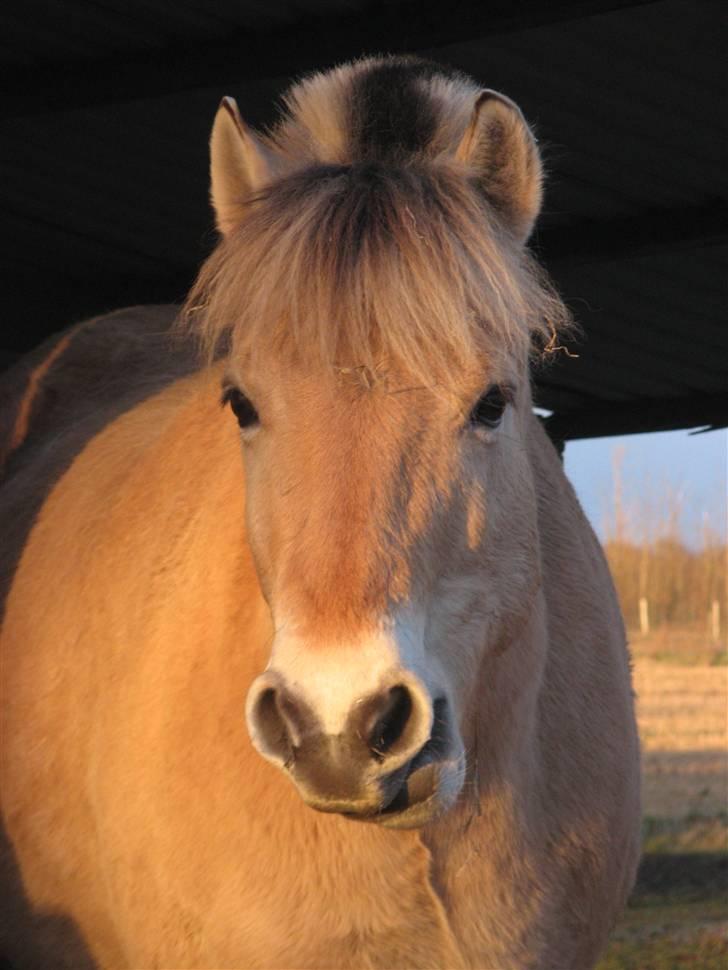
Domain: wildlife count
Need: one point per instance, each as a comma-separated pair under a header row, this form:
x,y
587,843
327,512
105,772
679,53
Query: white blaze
x,y
332,678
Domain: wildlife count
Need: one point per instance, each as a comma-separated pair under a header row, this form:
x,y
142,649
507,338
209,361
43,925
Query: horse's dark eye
x,y
489,408
241,407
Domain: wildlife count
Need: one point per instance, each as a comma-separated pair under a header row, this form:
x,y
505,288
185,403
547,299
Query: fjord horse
x,y
359,698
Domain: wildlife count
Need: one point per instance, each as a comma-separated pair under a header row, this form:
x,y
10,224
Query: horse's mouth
x,y
428,787
417,800
427,792
409,797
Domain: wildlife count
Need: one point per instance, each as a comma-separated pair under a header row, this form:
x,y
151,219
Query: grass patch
x,y
694,833
678,913
706,950
677,916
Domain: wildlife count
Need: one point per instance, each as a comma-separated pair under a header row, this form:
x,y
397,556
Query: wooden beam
x,y
642,415
309,43
38,311
650,229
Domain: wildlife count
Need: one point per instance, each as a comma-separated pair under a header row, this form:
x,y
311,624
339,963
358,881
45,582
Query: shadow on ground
x,y
688,877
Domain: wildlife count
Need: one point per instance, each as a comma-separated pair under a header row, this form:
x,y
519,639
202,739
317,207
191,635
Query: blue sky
x,y
671,469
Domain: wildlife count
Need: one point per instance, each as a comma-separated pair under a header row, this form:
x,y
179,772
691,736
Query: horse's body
x,y
145,830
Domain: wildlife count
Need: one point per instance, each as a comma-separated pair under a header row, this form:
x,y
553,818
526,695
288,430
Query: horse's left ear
x,y
501,149
239,164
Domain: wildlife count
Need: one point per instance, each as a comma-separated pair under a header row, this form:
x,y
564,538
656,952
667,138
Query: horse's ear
x,y
501,150
239,164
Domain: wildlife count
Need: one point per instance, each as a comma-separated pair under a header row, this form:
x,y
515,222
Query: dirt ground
x,y
683,720
678,914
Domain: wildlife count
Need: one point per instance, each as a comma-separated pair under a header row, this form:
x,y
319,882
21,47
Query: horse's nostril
x,y
278,722
270,727
386,719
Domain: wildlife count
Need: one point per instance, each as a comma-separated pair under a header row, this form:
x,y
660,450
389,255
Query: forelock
x,y
385,259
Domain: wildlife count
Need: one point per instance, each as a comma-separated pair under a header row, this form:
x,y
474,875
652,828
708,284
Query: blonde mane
x,y
374,259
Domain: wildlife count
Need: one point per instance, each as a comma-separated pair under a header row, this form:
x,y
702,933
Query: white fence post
x,y
715,621
644,615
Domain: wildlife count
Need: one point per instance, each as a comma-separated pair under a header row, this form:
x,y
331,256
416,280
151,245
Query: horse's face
x,y
392,519
394,536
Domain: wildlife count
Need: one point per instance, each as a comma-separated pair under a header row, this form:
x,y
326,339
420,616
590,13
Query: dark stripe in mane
x,y
372,247
391,116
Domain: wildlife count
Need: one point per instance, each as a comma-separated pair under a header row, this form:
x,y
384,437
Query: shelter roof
x,y
106,110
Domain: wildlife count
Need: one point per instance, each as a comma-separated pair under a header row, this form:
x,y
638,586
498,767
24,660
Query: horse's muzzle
x,y
385,766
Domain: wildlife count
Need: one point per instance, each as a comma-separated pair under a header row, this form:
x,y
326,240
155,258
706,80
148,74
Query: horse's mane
x,y
370,250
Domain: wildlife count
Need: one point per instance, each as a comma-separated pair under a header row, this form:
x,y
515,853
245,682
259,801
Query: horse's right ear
x,y
239,164
500,149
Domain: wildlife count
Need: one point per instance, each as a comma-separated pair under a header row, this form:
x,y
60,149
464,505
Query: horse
x,y
310,656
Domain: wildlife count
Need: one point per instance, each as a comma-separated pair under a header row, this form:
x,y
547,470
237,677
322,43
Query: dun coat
x,y
359,698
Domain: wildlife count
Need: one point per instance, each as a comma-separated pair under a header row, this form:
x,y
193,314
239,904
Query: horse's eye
x,y
241,407
489,408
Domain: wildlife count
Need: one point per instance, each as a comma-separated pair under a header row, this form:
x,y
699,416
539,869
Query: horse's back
x,y
86,376
56,399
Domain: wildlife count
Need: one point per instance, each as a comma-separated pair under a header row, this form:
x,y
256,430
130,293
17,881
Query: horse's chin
x,y
428,792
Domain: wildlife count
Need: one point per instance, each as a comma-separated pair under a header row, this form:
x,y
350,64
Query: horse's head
x,y
378,307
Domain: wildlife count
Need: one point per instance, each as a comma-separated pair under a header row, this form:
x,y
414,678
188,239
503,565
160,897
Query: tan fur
x,y
239,165
499,147
151,584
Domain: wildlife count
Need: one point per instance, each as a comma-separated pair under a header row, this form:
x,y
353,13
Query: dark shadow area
x,y
688,877
104,192
31,939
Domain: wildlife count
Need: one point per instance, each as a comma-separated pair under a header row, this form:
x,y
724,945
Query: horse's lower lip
x,y
414,800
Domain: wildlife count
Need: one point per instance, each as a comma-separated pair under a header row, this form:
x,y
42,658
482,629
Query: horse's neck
x,y
509,720
516,821
504,724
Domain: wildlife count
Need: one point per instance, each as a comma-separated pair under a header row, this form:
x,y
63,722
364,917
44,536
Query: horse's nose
x,y
355,769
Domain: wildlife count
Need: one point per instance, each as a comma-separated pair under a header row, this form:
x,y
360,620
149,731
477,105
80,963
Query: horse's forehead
x,y
350,391
367,434
366,442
